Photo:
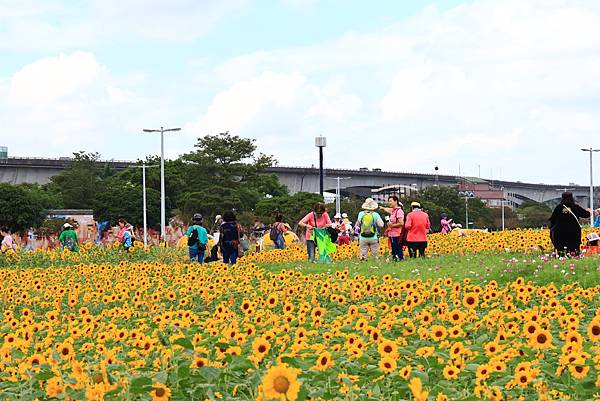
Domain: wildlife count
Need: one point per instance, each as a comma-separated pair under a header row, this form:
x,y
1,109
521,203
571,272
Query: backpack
x,y
69,243
274,232
230,234
193,238
367,225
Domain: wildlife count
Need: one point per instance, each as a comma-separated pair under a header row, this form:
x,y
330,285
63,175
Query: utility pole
x,y
591,150
337,192
162,177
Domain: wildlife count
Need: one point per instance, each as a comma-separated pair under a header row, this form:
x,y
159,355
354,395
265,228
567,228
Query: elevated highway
x,y
18,170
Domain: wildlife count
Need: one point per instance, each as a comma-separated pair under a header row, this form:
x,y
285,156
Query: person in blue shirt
x,y
197,242
597,218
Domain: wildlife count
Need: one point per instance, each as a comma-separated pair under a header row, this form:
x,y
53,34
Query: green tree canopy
x,y
19,208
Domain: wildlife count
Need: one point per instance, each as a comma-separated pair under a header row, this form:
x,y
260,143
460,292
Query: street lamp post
x,y
502,203
337,193
320,142
162,176
145,209
591,150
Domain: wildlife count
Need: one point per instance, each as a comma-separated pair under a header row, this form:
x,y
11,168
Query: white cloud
x,y
35,25
70,102
53,78
501,84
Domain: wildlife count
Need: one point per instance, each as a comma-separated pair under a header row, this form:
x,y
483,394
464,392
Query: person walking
x,y
395,226
565,229
229,237
125,235
417,225
445,223
596,218
278,230
367,225
68,238
197,239
318,218
7,241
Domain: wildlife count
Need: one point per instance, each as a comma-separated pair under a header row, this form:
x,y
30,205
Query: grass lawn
x,y
480,268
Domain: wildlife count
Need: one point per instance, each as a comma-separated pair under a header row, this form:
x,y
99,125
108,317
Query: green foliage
x,y
19,208
79,185
224,173
292,207
534,214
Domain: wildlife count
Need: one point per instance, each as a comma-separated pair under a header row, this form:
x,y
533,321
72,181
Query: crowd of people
x,y
402,229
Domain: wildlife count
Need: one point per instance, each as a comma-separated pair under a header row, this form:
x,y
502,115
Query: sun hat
x,y
415,204
370,204
345,215
217,218
337,216
67,225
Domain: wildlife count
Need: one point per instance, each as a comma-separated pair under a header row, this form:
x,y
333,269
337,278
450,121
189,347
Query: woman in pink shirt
x,y
417,224
318,218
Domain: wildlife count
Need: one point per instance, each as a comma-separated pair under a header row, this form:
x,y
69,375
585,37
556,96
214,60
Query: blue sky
x,y
510,87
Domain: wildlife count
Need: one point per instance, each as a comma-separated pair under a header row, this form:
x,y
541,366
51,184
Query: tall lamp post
x,y
591,150
320,142
145,208
467,195
162,176
337,193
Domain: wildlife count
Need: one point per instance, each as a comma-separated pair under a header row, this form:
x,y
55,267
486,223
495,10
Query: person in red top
x,y
417,224
318,218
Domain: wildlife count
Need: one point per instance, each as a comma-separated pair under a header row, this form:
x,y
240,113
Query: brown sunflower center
x,y
160,392
262,349
281,384
596,330
541,338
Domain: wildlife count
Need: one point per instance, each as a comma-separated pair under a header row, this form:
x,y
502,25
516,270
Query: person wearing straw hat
x,y
417,224
367,225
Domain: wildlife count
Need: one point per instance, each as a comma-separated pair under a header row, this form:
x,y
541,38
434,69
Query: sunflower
x,y
260,348
416,388
160,392
578,371
522,379
541,339
281,383
324,361
387,364
438,333
594,329
451,372
388,348
54,387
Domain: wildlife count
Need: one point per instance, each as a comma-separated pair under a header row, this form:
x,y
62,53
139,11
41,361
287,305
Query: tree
x,y
80,183
19,209
292,207
124,199
533,214
224,173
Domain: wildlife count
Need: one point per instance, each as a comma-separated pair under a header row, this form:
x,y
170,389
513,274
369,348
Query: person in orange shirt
x,y
417,224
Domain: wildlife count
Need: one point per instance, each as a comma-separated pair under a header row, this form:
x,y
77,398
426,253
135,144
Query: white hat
x,y
67,225
337,216
345,215
370,204
217,218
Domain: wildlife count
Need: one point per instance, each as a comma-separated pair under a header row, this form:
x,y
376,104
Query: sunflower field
x,y
153,330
